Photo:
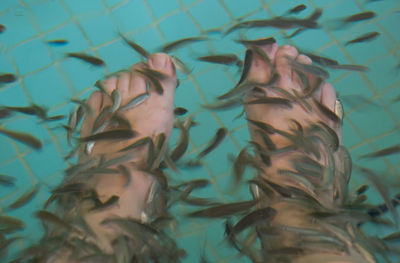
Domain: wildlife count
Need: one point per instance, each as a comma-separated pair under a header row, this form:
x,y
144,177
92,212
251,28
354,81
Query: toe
x,y
95,103
162,62
261,64
283,66
328,96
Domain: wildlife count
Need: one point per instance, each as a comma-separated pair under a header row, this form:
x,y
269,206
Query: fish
x,y
179,111
4,113
135,101
223,210
362,189
57,42
24,198
219,137
239,166
280,22
179,65
265,215
381,153
87,58
381,190
324,61
2,28
392,237
224,105
197,201
257,42
359,17
138,143
24,138
29,110
46,216
246,86
363,38
271,100
116,134
136,47
6,180
359,68
110,202
327,112
295,33
10,224
311,69
70,188
182,144
297,9
179,43
154,80
226,59
248,60
7,78
116,100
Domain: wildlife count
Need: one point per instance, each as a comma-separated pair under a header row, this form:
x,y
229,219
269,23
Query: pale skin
x,y
155,116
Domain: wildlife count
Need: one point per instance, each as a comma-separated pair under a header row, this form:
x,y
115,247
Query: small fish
x,y
239,166
224,105
136,101
220,135
136,47
257,42
197,201
363,38
179,65
49,217
362,189
57,42
6,180
10,224
70,188
223,210
87,58
29,110
382,191
102,206
359,17
2,28
392,237
311,69
116,100
297,9
324,61
226,59
384,152
116,134
246,86
350,67
271,100
327,112
295,33
179,111
248,60
4,113
23,138
260,215
7,78
182,144
179,43
154,80
24,198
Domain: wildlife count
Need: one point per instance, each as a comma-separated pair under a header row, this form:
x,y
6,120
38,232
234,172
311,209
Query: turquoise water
x,y
46,77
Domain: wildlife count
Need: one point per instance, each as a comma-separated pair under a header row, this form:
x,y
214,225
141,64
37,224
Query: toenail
x,y
159,60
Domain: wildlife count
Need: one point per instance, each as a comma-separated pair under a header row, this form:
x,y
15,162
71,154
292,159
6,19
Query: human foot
x,y
151,117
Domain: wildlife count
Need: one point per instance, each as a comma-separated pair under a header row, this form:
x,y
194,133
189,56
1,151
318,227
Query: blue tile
x,y
71,33
112,3
161,8
46,162
241,8
49,14
214,83
18,28
212,9
149,39
46,87
31,56
178,26
132,15
7,4
99,30
390,24
7,149
79,7
206,124
13,96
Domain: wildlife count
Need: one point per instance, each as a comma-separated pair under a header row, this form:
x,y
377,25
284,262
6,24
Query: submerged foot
x,y
146,108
